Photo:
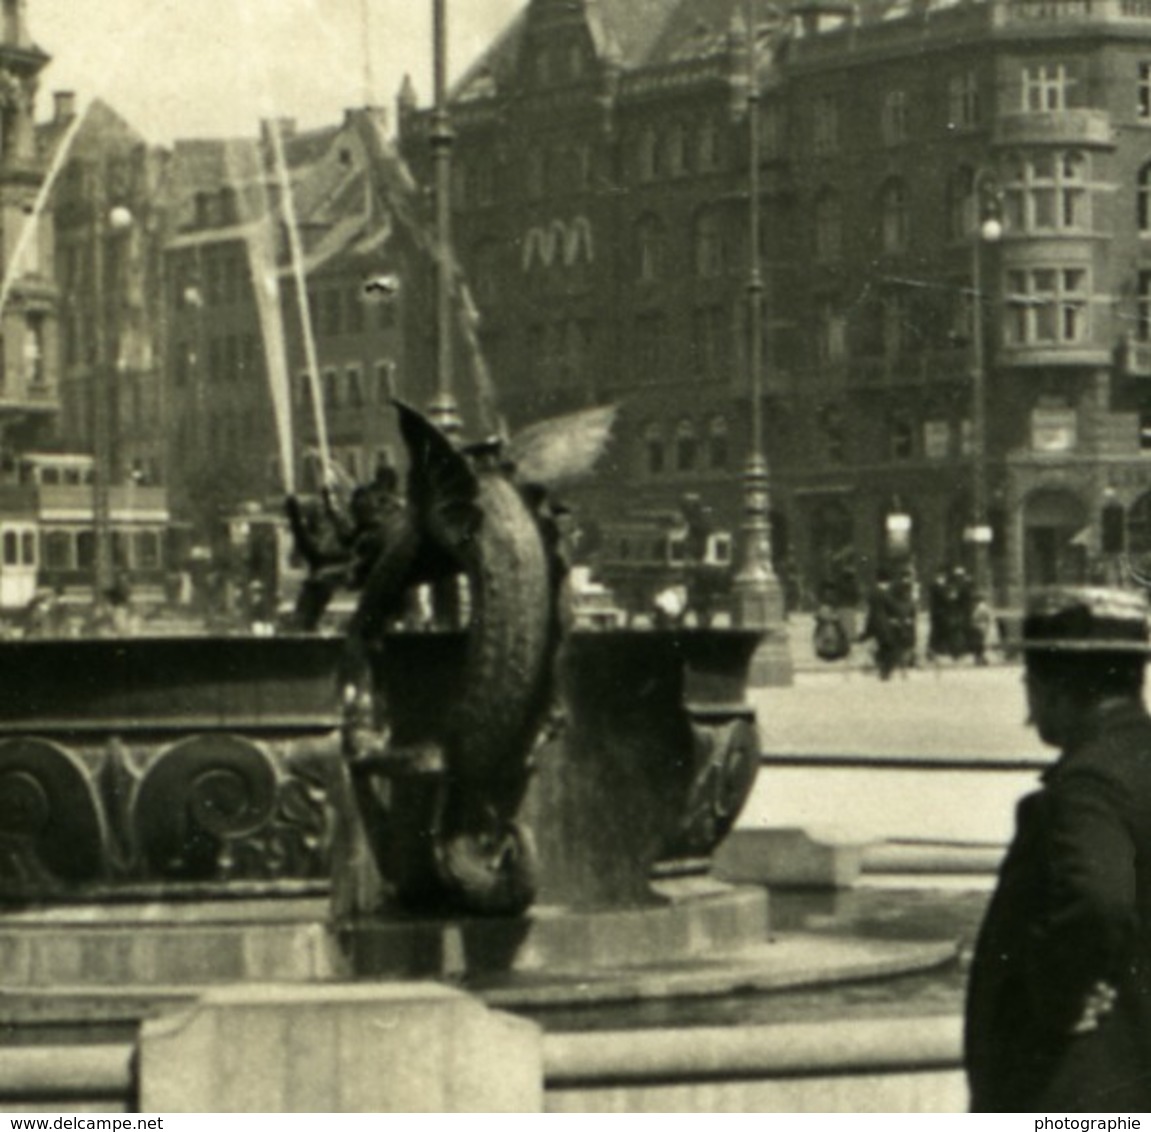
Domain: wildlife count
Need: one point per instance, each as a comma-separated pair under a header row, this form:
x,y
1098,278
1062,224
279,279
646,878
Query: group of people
x,y
959,617
959,620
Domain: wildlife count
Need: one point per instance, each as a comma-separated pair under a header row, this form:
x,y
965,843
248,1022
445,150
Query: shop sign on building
x,y
1053,430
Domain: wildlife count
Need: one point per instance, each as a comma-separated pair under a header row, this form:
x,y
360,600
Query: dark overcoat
x,y
1070,917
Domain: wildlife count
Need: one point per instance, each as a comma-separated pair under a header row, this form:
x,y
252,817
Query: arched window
x,y
708,246
651,246
676,150
654,456
686,447
894,217
648,154
828,226
717,443
707,146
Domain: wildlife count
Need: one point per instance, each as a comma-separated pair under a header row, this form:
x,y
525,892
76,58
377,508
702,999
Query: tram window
x,y
50,475
147,550
719,550
120,549
58,550
11,549
28,548
85,550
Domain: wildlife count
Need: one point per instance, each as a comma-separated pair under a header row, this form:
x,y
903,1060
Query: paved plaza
x,y
944,753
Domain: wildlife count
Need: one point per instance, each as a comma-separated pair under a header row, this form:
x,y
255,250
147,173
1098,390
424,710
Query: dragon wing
x,y
561,449
442,486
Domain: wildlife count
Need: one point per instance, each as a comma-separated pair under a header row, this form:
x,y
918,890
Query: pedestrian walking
x,y
882,626
938,615
1059,1001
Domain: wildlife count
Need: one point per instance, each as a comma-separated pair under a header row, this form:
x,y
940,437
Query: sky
x,y
213,68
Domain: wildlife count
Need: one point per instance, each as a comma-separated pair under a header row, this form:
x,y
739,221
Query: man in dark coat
x,y
1059,1002
882,625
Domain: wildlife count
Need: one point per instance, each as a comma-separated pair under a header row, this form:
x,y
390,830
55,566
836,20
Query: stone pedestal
x,y
789,858
390,1048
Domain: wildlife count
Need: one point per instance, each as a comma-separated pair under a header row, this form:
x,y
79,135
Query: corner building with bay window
x,y
601,218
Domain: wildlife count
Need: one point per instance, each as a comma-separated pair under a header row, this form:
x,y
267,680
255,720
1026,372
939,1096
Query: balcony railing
x,y
944,20
1069,127
1028,13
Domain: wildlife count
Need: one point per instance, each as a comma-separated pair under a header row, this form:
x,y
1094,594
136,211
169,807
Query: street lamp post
x,y
106,222
442,409
988,229
757,593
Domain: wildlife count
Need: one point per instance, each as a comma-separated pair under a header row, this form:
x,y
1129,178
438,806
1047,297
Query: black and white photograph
x,y
575,556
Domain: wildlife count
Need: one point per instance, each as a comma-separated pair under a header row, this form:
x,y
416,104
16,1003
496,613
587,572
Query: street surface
x,y
933,714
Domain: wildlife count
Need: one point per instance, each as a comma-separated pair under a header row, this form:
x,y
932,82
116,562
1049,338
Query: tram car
x,y
661,561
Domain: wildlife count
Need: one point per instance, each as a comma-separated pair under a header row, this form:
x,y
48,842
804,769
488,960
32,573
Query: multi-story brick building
x,y
240,390
108,231
601,215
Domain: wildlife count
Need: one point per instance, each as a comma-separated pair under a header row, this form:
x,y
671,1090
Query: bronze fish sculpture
x,y
477,514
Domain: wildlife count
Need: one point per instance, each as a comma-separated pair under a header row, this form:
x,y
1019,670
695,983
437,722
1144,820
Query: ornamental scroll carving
x,y
208,809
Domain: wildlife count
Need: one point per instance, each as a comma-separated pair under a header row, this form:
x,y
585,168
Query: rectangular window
x,y
386,380
331,389
825,124
1047,305
1143,309
650,332
771,130
1143,93
894,117
333,312
831,345
1046,87
936,439
707,341
354,386
354,305
963,101
894,326
1048,192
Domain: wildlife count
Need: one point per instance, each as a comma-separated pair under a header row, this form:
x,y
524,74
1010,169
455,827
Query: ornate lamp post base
x,y
758,597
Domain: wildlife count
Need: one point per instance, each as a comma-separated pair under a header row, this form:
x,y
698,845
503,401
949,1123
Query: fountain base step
x,y
697,917
292,940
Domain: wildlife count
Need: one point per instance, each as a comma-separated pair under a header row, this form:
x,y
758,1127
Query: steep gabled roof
x,y
631,34
99,126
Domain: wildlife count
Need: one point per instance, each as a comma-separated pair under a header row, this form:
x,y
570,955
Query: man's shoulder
x,y
1120,751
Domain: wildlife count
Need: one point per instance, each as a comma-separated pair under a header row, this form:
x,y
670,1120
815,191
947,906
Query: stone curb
x,y
788,1049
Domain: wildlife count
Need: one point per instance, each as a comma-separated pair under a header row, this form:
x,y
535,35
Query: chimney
x,y
65,105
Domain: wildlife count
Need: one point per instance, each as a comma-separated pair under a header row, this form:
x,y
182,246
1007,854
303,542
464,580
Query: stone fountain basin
x,y
204,768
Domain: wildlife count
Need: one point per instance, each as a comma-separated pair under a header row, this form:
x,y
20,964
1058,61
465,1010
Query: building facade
x,y
243,397
601,217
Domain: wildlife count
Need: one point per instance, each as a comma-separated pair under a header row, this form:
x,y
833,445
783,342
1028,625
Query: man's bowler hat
x,y
1086,619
